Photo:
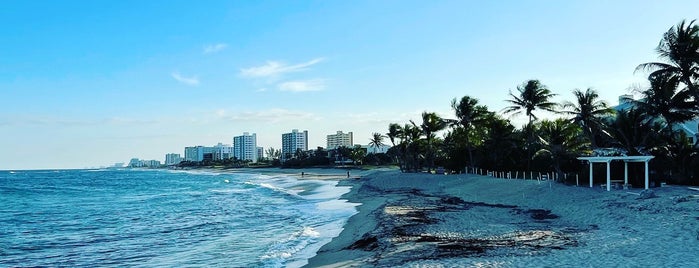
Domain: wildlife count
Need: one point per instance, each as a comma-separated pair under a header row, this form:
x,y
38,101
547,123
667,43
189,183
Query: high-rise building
x,y
199,153
291,142
172,159
195,153
220,151
339,139
260,153
245,147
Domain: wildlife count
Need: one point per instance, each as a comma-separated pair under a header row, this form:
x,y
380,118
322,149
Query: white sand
x,y
414,224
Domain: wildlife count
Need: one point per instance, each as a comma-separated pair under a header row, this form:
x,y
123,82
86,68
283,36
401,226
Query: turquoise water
x,y
148,218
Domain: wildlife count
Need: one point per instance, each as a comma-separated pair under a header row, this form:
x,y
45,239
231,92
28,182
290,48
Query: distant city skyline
x,y
92,83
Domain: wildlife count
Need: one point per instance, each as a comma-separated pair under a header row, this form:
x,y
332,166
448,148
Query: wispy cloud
x,y
268,116
210,49
261,89
192,81
302,85
71,122
274,68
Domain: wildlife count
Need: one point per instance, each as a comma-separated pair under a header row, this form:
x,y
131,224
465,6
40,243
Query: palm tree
x,y
393,132
357,154
376,140
431,123
588,111
411,143
663,101
679,47
468,114
532,96
630,131
560,140
501,142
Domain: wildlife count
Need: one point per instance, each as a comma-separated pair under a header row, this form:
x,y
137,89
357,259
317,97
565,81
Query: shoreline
x,y
469,220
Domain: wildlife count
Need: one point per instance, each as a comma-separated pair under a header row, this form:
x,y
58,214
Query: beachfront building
x,y
371,149
221,151
690,128
260,153
194,153
245,147
135,162
151,163
338,140
200,153
293,141
138,163
172,159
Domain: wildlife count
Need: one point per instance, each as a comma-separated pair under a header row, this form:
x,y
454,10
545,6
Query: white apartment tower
x,y
340,139
245,147
172,159
292,142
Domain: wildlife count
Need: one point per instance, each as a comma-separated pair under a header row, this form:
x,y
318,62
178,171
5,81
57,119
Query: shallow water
x,y
148,218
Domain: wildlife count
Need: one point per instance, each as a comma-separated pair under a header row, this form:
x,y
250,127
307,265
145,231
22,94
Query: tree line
x,y
477,137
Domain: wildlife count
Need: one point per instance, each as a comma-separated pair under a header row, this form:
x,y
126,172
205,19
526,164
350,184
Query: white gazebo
x,y
609,159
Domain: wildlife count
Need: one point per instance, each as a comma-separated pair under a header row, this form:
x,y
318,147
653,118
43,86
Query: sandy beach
x,y
425,220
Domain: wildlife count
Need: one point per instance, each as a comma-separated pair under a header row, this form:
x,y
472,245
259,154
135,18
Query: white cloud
x,y
192,81
268,116
273,68
261,89
302,85
210,49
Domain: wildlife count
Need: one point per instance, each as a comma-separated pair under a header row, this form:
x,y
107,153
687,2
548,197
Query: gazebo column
x,y
626,173
647,173
609,179
590,173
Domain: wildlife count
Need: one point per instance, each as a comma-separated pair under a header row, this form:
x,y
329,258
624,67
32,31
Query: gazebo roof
x,y
607,159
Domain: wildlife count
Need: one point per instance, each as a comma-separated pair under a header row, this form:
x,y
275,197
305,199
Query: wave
x,y
280,253
273,188
195,172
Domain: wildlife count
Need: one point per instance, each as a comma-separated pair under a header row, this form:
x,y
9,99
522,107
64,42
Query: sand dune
x,y
424,220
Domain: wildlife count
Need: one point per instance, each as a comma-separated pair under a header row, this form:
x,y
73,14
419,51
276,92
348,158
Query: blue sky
x,y
90,83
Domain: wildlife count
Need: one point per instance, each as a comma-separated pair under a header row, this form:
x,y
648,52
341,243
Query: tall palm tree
x,y
410,145
662,100
560,140
468,114
532,96
588,111
393,132
431,124
630,131
357,154
376,140
679,47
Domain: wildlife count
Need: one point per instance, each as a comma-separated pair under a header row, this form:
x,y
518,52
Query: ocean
x,y
162,218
